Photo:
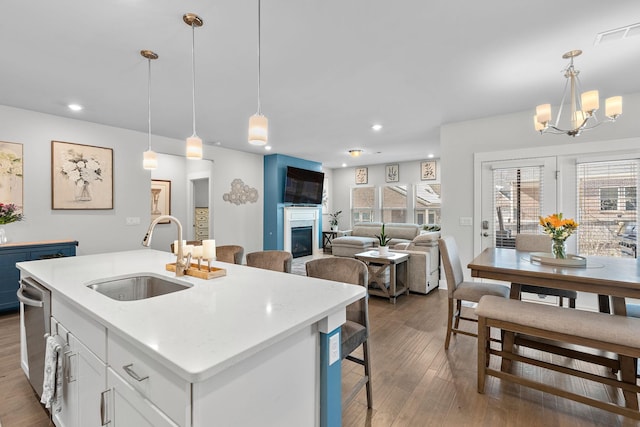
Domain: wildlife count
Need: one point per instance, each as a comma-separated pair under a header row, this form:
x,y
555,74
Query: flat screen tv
x,y
303,187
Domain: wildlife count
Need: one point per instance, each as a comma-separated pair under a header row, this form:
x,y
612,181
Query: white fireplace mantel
x,y
300,217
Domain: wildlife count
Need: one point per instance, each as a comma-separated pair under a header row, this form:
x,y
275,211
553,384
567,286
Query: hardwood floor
x,y
415,382
19,405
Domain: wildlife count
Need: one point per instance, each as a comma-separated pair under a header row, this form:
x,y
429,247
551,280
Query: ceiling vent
x,y
618,34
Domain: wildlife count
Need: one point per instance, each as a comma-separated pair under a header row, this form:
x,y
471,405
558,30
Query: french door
x,y
514,194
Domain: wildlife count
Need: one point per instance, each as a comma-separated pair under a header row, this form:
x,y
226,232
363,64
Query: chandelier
x,y
583,107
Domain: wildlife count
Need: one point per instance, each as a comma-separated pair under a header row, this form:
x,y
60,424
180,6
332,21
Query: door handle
x,y
485,234
28,301
104,408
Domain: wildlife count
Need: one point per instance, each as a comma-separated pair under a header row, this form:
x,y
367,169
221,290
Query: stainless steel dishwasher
x,y
36,300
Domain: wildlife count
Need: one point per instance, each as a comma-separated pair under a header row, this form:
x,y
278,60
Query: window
x,y
362,204
394,203
607,207
517,203
427,204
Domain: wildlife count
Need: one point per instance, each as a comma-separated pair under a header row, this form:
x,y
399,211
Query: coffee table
x,y
378,266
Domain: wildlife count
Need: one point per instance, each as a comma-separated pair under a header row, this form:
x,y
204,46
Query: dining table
x,y
613,279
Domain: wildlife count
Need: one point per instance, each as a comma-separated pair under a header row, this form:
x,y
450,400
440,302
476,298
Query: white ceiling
x,y
330,68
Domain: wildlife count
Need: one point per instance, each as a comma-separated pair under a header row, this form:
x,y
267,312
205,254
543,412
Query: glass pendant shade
x,y
258,130
613,107
150,160
194,148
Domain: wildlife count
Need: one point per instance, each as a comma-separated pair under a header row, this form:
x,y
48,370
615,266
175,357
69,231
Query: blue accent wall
x,y
275,174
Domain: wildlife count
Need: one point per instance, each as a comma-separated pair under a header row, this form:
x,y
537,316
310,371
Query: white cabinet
x,y
128,408
149,380
84,380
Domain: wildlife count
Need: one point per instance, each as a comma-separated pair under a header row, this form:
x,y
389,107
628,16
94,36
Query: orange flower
x,y
556,227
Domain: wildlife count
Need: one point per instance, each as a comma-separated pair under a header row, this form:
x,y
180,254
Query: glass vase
x,y
3,236
558,248
82,192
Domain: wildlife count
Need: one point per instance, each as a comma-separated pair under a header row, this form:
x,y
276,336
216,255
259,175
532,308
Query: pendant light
x,y
150,159
258,124
194,143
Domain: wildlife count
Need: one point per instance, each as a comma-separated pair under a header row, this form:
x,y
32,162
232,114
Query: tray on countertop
x,y
203,273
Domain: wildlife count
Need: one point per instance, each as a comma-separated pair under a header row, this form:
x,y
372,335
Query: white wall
x,y
342,180
105,230
459,143
231,224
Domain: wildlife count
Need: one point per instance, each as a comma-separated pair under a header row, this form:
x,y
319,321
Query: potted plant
x,y
383,241
333,220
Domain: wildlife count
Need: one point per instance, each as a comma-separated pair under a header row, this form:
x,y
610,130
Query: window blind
x,y
607,207
394,203
517,200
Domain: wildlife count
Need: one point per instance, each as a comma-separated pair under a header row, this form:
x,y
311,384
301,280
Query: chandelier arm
x,y
564,97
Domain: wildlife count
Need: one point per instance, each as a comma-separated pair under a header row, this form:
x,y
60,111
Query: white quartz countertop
x,y
202,330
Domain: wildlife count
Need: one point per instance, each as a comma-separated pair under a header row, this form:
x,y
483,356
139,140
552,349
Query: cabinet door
x,y
10,278
128,408
83,381
89,374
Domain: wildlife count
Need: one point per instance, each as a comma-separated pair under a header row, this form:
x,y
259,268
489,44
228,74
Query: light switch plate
x,y
334,348
133,220
466,220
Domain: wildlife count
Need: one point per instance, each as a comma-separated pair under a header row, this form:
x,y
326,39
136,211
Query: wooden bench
x,y
616,334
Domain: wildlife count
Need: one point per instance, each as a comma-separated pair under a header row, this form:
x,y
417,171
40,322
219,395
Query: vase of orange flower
x,y
559,229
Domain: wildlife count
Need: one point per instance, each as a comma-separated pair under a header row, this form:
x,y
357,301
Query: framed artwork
x,y
391,173
11,174
362,176
428,170
160,199
81,176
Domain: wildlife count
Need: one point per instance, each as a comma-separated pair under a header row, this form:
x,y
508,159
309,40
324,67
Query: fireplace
x,y
297,217
301,241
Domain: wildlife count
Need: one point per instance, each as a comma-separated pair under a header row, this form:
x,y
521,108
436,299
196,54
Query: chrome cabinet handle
x,y
129,370
103,408
68,371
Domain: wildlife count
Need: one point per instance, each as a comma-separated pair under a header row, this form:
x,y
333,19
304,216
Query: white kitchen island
x,y
250,348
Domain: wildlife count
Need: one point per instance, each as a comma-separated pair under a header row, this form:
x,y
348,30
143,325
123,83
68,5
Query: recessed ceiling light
x,y
344,165
376,127
430,156
267,147
75,107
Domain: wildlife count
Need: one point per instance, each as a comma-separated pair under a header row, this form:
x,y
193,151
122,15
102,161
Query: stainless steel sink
x,y
131,288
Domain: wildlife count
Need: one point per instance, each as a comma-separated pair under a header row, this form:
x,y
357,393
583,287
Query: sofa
x,y
423,265
363,237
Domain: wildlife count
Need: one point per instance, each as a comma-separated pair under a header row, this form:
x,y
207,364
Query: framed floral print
x,y
160,199
11,175
81,176
362,176
428,171
391,173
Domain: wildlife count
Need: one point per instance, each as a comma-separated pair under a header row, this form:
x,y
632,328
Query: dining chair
x,y
355,331
460,290
542,243
270,260
230,253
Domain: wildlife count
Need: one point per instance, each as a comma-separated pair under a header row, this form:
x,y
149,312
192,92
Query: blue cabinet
x,y
12,253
